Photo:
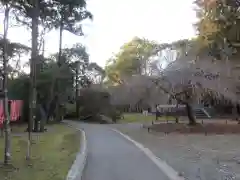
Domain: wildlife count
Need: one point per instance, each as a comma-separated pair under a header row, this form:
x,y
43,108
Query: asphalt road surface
x,y
112,157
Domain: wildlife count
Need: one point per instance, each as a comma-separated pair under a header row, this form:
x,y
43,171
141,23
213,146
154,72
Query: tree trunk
x,y
235,112
52,98
34,56
58,118
51,108
35,124
176,115
77,92
60,43
190,114
7,130
43,118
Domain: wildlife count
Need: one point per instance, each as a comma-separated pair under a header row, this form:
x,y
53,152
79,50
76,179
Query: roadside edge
x,y
76,170
161,164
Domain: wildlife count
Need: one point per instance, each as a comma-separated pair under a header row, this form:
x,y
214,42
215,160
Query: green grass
x,y
53,153
138,117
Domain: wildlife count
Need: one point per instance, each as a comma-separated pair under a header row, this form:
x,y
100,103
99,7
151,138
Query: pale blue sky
x,y
118,21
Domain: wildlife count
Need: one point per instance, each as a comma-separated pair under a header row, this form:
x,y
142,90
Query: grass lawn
x,y
53,153
138,117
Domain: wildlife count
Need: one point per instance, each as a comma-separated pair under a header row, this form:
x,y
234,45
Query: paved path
x,y
112,157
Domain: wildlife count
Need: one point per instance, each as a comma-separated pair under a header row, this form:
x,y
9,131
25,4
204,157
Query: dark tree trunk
x,y
58,116
238,113
37,118
7,130
176,120
77,91
34,56
51,108
176,114
235,112
77,109
190,114
43,115
35,126
60,43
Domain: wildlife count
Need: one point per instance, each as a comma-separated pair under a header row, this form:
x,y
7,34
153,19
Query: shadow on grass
x,y
52,155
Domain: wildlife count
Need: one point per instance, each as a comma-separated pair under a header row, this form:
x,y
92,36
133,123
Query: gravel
x,y
196,157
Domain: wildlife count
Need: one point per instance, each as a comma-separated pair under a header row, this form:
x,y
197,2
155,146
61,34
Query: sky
x,y
116,22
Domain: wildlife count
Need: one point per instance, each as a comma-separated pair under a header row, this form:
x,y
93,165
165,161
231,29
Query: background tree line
x,y
51,83
172,67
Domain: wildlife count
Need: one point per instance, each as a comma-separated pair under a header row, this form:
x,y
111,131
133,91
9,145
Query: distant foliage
x,y
94,103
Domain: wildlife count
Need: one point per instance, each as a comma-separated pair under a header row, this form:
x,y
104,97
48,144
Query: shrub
x,y
95,103
71,111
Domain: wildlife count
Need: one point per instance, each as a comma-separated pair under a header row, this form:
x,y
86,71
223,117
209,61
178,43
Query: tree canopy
x,y
132,58
218,25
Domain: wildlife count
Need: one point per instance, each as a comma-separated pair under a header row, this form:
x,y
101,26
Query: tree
x,y
46,85
7,151
14,52
79,60
47,72
6,50
71,13
138,92
218,25
96,105
95,73
186,81
32,14
72,71
132,58
143,57
33,62
219,29
136,61
29,13
30,10
53,14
